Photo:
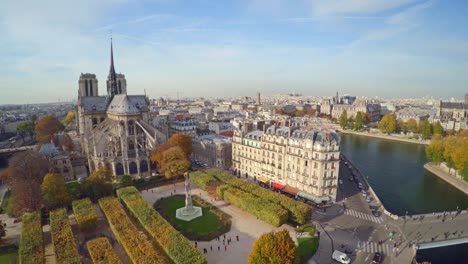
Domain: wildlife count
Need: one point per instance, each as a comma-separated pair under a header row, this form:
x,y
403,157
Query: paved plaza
x,y
244,225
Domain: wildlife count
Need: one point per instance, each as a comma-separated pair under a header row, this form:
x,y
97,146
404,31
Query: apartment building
x,y
214,150
301,162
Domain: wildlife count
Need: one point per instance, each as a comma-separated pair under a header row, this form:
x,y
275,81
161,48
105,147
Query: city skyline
x,y
377,48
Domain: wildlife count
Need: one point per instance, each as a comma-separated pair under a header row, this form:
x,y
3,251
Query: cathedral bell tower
x,y
116,83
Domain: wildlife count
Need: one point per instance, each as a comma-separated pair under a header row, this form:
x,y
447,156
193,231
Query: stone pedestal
x,y
186,214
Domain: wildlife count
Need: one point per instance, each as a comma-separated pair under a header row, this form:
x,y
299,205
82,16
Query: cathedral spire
x,y
112,69
112,77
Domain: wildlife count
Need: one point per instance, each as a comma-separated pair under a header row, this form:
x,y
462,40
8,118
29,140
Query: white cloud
x,y
337,7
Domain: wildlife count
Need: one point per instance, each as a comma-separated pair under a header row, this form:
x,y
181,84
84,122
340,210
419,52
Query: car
x,y
341,257
364,193
377,258
351,179
376,213
359,184
368,199
341,181
346,163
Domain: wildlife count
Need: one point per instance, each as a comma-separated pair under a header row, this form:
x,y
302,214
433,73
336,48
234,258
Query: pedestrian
x,y
211,248
224,236
196,244
219,248
205,251
237,237
225,247
223,241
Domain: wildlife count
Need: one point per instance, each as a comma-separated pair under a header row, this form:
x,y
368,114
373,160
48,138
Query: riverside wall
x,y
454,180
382,136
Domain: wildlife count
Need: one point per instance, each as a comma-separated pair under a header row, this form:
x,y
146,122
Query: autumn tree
x,y
69,118
157,154
412,125
454,151
435,151
98,184
274,248
425,128
183,141
388,124
367,118
103,173
438,129
174,162
25,128
343,119
67,143
46,127
26,171
359,122
54,191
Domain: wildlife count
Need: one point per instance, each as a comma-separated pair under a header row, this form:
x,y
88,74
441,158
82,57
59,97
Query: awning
x,y
277,186
263,179
291,190
310,197
325,198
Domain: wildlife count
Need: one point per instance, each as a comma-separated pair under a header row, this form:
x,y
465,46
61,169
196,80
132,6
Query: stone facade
x,y
304,159
214,150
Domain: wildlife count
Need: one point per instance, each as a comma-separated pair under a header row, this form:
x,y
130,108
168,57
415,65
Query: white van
x,y
341,257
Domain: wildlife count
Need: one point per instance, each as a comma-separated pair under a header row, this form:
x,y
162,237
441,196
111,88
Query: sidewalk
x,y
455,182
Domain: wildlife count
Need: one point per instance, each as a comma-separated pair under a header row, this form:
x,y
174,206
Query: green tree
x,y
438,129
343,119
96,188
359,122
174,162
54,192
388,124
435,151
412,125
126,180
425,128
273,248
103,173
24,128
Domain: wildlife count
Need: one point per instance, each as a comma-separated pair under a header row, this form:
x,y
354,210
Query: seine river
x,y
395,172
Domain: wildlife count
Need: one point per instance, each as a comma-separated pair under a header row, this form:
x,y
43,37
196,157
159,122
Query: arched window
x,y
90,88
95,122
119,170
102,120
120,87
133,168
86,88
131,145
143,166
65,169
131,127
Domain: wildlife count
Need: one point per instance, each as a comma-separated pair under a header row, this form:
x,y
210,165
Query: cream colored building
x,y
214,150
304,160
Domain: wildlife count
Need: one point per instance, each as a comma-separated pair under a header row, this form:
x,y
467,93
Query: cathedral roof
x,y
94,104
127,104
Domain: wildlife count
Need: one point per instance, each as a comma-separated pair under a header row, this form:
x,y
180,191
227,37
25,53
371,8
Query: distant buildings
x,y
418,114
214,150
306,161
335,106
453,115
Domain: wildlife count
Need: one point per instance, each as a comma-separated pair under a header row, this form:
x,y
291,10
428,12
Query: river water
x,y
396,173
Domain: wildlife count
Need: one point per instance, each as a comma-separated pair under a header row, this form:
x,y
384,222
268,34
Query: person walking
x,y
219,248
211,248
225,248
237,237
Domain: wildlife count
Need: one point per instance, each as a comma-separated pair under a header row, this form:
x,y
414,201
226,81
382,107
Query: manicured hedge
x,y
101,251
65,247
201,180
31,249
137,247
85,214
177,247
269,212
298,211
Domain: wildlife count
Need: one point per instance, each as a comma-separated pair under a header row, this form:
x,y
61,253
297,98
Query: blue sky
x,y
395,48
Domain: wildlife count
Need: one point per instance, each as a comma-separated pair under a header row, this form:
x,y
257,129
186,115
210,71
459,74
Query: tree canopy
x,y
54,192
157,154
46,127
388,124
412,125
359,121
183,141
69,118
174,162
425,128
24,128
343,119
438,129
273,248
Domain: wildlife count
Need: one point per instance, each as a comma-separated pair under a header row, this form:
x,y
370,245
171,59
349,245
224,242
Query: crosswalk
x,y
364,216
372,247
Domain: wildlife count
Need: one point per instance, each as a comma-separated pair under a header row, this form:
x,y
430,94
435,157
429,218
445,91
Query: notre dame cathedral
x,y
115,129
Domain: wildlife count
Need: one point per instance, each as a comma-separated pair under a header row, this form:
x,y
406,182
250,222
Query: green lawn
x,y
7,254
307,248
212,224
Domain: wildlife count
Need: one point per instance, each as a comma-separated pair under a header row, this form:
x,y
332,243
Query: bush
x,y
64,242
201,180
269,212
85,214
135,244
31,248
298,211
125,181
177,247
74,190
101,251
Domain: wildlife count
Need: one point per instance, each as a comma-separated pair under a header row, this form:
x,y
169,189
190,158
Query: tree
x,y
435,151
367,118
126,180
438,129
274,248
26,171
359,122
67,143
425,129
46,127
103,173
412,125
388,124
54,191
157,154
174,162
183,141
26,127
34,118
96,188
343,119
69,118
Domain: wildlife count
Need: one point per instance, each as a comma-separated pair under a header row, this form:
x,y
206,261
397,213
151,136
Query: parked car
x,y
376,213
377,258
341,257
368,199
341,181
351,179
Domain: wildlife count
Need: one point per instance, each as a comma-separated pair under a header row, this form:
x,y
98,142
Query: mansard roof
x,y
454,105
127,104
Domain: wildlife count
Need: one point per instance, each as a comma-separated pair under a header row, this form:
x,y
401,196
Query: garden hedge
x,y
177,247
201,180
66,250
298,211
101,251
269,212
135,244
85,214
31,249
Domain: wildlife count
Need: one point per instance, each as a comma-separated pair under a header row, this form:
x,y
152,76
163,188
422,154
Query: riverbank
x,y
451,179
389,137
